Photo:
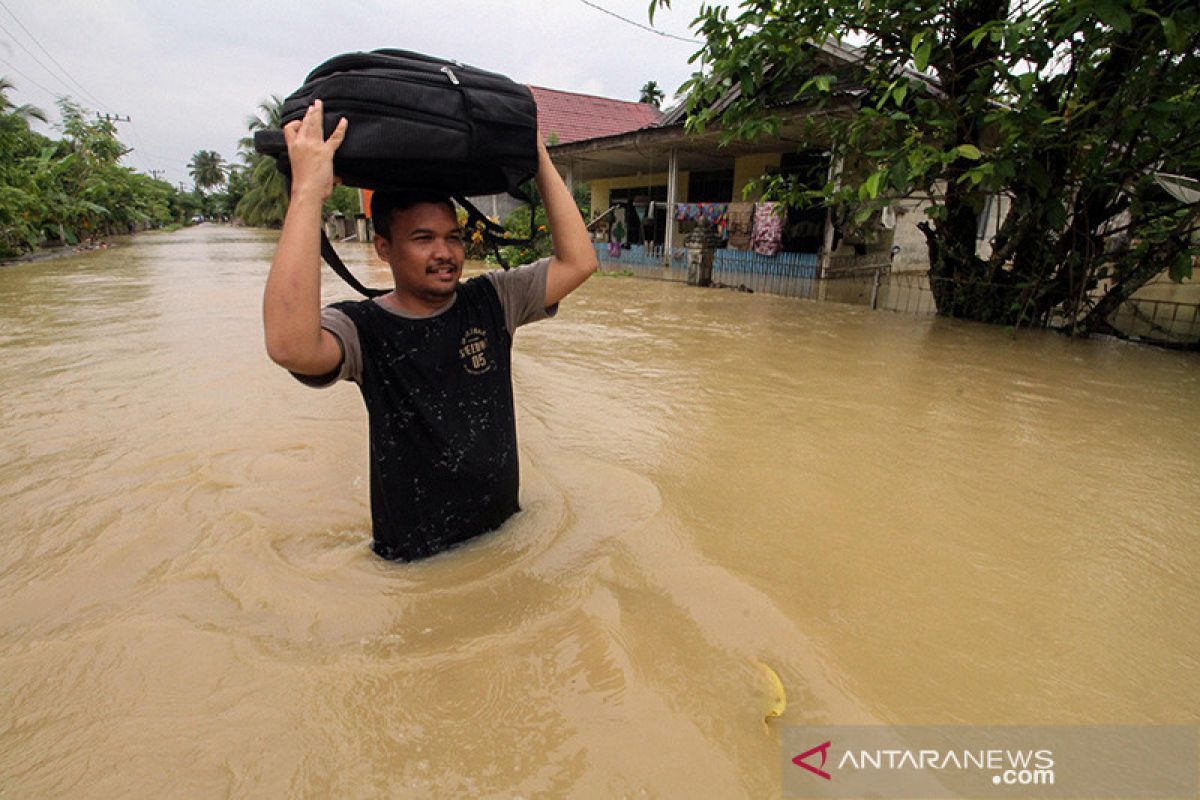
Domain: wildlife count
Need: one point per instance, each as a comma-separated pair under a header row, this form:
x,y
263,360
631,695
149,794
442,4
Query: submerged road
x,y
911,521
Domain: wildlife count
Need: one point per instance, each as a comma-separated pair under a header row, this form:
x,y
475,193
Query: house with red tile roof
x,y
571,117
565,117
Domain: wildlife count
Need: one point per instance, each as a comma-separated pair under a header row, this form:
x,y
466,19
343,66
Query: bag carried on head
x,y
418,122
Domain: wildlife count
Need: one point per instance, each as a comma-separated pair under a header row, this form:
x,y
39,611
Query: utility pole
x,y
154,173
110,119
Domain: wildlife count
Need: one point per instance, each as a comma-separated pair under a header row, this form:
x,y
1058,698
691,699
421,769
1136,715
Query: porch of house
x,y
652,171
650,178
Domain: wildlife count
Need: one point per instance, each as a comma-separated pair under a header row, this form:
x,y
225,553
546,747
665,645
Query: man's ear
x,y
382,247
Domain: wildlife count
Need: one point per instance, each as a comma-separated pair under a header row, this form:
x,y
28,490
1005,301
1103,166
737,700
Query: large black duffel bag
x,y
419,122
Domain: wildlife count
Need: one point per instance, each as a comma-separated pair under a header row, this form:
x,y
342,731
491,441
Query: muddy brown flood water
x,y
912,521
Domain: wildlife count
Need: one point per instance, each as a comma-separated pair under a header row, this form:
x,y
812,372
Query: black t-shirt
x,y
438,392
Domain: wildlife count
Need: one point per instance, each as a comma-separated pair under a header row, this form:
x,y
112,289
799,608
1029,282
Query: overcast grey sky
x,y
188,73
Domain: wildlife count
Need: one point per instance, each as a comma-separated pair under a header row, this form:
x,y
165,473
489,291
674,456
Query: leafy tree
x,y
342,200
95,141
71,188
18,201
224,203
1068,108
207,169
186,205
651,94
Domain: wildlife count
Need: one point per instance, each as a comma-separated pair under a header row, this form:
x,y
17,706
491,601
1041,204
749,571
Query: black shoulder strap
x,y
335,262
327,252
494,232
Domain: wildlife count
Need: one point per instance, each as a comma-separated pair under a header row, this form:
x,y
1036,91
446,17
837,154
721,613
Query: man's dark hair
x,y
386,204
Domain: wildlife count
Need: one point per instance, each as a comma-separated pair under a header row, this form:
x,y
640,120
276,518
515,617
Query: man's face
x,y
425,252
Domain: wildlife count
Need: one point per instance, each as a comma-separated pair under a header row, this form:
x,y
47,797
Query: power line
x,y
35,59
634,23
15,69
53,60
159,157
141,150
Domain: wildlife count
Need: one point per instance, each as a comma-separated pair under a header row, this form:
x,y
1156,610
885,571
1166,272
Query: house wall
x,y
745,169
748,168
602,187
913,255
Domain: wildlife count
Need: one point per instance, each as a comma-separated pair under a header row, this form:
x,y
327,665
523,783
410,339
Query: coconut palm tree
x,y
25,111
269,117
207,169
652,94
265,200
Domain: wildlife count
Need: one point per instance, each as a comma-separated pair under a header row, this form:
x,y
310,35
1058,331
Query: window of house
x,y
714,186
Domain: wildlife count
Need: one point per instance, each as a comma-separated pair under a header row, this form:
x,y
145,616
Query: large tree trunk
x,y
959,278
962,283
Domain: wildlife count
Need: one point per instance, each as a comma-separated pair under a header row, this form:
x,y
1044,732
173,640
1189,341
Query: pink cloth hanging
x,y
768,230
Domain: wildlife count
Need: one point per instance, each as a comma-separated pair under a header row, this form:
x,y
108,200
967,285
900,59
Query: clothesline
x,y
766,226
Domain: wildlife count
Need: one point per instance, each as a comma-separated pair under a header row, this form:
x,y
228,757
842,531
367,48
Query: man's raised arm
x,y
292,300
574,258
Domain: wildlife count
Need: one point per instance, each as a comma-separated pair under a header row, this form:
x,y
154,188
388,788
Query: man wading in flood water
x,y
432,357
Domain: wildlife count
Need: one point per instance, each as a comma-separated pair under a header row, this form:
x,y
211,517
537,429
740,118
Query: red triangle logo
x,y
823,749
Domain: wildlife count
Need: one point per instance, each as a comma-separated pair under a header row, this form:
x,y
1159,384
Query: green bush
x,y
72,188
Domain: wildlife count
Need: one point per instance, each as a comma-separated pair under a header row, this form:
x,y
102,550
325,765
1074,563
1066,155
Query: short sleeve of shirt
x,y
343,329
522,293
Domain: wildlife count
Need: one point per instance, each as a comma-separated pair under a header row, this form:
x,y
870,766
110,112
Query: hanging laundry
x,y
741,224
619,231
713,213
768,230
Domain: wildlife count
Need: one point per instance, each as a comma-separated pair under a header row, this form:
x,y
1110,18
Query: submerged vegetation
x,y
1072,113
62,191
67,190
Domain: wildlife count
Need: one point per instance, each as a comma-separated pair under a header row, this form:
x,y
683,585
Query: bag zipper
x,y
402,113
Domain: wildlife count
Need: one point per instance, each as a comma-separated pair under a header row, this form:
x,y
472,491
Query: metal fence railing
x,y
879,288
786,274
869,281
644,261
907,293
1165,321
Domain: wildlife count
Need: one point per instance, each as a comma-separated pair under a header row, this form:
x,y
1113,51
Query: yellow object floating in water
x,y
776,697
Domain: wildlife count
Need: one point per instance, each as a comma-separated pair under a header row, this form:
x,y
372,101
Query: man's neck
x,y
416,305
